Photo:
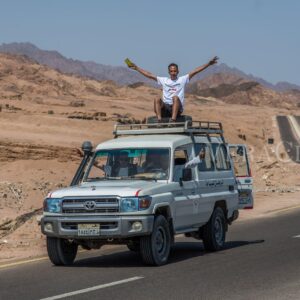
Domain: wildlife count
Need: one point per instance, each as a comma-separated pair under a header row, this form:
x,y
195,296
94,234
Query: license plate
x,y
88,229
244,198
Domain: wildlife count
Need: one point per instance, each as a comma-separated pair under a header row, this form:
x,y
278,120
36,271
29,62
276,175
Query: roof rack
x,y
206,128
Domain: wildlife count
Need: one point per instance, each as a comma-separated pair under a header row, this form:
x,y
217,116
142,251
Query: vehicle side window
x,y
221,157
180,159
207,163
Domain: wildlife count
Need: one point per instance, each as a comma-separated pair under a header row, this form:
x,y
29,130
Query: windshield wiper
x,y
139,178
102,178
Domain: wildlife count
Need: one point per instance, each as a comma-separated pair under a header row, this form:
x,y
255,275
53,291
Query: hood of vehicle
x,y
108,188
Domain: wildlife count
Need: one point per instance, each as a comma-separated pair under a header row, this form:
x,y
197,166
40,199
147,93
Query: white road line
x,y
22,262
296,236
93,288
26,261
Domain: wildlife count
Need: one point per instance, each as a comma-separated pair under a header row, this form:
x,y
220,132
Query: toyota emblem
x,y
90,205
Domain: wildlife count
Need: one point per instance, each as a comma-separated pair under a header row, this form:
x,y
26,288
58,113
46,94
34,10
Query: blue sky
x,y
257,36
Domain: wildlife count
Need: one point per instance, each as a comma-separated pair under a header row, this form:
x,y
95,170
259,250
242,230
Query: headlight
x,y
132,204
52,205
129,204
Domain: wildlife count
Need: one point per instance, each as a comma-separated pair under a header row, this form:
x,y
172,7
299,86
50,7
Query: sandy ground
x,y
39,137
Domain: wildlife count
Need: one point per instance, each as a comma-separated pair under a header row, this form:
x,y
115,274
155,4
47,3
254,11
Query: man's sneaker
x,y
159,123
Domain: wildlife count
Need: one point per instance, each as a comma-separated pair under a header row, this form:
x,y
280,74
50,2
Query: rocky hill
x,y
237,90
22,78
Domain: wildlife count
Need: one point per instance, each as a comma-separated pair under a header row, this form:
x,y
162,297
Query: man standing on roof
x,y
172,102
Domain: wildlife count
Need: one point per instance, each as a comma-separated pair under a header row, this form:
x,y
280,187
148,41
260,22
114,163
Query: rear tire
x,y
214,232
61,252
155,248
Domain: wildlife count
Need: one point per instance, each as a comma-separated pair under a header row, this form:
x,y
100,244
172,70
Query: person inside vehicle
x,y
180,164
151,162
121,167
164,163
171,104
197,159
156,162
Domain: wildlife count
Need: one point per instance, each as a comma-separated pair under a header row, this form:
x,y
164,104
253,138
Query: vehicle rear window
x,y
221,157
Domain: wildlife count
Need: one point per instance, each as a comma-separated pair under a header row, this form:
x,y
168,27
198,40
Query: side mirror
x,y
186,175
87,148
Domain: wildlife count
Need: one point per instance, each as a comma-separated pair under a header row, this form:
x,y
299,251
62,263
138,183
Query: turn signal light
x,y
144,202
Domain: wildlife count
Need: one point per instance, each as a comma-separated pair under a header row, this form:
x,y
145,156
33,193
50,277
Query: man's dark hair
x,y
173,65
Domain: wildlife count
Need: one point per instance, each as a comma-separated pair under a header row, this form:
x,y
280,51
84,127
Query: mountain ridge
x,y
121,75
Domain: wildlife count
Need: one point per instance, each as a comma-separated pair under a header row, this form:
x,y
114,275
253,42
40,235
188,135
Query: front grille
x,y
103,225
79,211
100,205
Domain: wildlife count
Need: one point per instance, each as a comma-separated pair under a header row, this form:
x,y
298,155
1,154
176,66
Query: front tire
x,y
155,248
61,252
214,232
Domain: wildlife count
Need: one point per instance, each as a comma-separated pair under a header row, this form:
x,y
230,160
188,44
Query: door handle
x,y
179,194
231,188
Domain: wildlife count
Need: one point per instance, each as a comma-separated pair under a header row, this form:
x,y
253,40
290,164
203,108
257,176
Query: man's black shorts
x,y
166,110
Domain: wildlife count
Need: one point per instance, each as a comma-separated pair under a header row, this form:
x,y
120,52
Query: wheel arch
x,y
164,209
223,205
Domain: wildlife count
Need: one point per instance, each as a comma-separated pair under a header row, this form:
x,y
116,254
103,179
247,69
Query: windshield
x,y
145,163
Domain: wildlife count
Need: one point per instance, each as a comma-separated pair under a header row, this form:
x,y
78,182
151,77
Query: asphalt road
x,y
261,261
290,143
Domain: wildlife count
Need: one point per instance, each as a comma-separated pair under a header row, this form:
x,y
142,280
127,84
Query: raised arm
x,y
196,160
143,72
201,68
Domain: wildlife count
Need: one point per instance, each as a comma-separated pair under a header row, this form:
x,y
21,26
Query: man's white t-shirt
x,y
173,88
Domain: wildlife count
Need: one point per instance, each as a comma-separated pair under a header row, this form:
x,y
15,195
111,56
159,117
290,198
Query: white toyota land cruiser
x,y
137,190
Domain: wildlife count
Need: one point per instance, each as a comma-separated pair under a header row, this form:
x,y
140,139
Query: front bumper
x,y
110,226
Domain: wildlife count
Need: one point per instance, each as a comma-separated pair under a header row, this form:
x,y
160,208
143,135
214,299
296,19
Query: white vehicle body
x,y
187,205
